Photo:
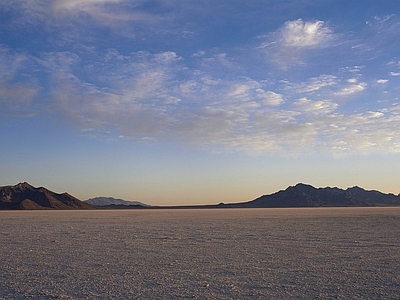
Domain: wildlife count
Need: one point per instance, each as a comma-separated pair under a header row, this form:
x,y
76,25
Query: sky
x,y
193,102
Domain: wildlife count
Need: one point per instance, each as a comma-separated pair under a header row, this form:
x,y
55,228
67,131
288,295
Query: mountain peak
x,y
304,185
23,186
301,187
305,195
356,187
25,196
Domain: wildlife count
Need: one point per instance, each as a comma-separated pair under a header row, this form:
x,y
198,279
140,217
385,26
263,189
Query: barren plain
x,y
329,253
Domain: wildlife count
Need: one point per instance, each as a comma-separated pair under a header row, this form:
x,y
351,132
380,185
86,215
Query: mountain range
x,y
304,195
25,196
108,202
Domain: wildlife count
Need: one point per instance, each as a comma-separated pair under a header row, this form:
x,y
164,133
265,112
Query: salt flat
x,y
324,253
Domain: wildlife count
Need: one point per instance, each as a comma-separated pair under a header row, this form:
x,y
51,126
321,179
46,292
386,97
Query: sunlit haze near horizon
x,y
196,102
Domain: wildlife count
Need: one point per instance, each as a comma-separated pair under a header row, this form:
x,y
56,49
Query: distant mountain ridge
x,y
25,196
110,201
304,195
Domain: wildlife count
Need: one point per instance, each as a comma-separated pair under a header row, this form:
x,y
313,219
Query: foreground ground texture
x,y
325,253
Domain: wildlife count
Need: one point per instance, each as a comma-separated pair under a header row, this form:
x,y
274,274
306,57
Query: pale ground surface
x,y
349,253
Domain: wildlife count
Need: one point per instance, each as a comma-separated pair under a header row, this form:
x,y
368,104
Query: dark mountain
x,y
24,196
113,202
303,195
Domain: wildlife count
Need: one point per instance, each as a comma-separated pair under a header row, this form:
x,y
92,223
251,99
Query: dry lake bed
x,y
328,253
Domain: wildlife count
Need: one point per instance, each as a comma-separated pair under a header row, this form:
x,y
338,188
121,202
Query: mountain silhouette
x,y
111,202
25,196
304,195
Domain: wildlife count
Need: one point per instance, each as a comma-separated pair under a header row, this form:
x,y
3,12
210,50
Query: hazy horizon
x,y
182,102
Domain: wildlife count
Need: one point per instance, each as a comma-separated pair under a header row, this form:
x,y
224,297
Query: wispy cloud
x,y
78,20
17,91
205,97
251,91
111,13
316,107
288,44
16,99
352,87
313,84
155,96
79,4
209,113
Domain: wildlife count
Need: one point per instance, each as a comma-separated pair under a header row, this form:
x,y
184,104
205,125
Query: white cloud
x,y
314,84
300,34
375,114
155,96
251,91
288,44
394,74
189,87
271,98
316,107
143,97
352,80
382,81
384,18
355,70
368,132
352,88
380,22
199,53
90,108
172,100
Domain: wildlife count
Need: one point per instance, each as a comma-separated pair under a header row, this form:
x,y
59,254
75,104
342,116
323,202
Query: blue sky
x,y
187,102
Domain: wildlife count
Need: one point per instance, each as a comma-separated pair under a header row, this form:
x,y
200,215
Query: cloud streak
x,y
352,88
17,92
79,4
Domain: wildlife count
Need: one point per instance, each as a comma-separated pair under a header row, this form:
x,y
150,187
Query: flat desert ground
x,y
328,253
